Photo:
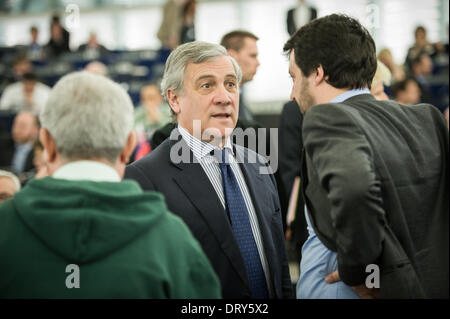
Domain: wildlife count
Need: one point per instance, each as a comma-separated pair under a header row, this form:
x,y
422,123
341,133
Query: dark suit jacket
x,y
377,188
289,164
291,26
190,195
7,150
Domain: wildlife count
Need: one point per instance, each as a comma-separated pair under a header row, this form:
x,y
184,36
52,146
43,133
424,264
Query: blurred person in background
x,y
35,51
59,39
241,45
93,49
17,150
397,71
20,66
299,16
421,46
421,67
29,94
9,185
171,24
153,113
381,78
406,92
187,33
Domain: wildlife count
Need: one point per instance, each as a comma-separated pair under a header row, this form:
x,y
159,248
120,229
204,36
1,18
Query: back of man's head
x,y
88,116
406,91
422,65
235,40
241,45
341,45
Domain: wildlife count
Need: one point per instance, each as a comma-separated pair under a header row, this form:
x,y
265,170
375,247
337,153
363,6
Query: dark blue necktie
x,y
240,224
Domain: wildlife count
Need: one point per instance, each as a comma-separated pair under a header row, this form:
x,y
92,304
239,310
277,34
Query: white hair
x,y
192,52
88,116
382,74
13,177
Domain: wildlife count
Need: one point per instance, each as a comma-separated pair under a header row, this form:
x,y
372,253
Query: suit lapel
x,y
197,187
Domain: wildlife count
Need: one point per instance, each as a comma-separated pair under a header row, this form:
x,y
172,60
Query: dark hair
x,y
420,28
341,45
55,18
400,86
234,40
187,6
30,76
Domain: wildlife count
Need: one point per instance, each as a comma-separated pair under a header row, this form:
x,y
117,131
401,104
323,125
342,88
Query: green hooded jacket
x,y
109,239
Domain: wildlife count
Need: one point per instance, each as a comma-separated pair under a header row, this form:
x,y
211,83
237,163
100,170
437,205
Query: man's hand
x,y
362,291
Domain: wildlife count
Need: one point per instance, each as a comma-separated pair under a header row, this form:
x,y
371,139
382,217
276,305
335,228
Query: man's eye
x,y
231,84
206,86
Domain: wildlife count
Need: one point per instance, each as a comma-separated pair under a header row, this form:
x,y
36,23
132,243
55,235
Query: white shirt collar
x,y
198,147
87,170
348,94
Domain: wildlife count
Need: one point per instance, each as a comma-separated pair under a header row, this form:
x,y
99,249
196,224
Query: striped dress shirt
x,y
203,154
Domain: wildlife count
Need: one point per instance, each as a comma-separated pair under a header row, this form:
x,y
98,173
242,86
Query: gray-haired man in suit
x,y
218,188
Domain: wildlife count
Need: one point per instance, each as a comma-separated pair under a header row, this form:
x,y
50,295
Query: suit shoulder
x,y
325,110
158,155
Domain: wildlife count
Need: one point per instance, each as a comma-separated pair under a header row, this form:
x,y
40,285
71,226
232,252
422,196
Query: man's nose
x,y
222,96
292,94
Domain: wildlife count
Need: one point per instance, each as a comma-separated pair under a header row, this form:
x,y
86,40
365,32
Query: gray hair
x,y
88,116
13,177
192,52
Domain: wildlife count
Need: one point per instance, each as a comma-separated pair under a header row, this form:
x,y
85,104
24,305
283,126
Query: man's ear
x,y
49,144
319,75
128,148
232,53
174,100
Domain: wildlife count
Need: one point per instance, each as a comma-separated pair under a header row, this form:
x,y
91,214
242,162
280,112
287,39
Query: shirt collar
x,y
24,146
348,94
87,170
201,148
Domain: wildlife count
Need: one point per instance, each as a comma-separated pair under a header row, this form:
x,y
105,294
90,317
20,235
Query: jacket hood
x,y
84,221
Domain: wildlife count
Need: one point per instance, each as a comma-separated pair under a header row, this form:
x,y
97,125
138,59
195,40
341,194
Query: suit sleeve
x,y
343,161
279,241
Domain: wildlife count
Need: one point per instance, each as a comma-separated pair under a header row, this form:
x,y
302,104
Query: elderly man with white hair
x,y
84,233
